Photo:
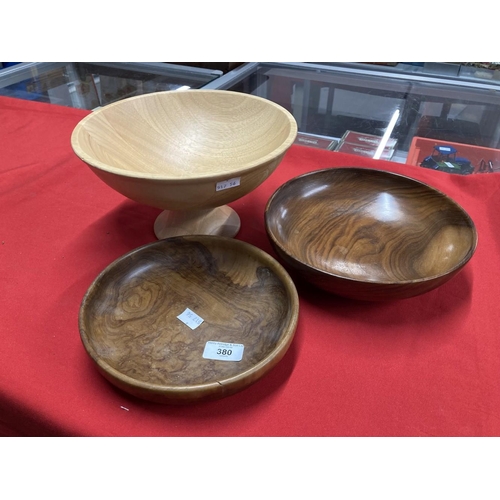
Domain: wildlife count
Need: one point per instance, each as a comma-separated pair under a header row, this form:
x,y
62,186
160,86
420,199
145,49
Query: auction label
x,y
190,318
223,351
230,183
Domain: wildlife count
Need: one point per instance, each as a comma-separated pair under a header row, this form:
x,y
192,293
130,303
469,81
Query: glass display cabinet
x,y
398,112
444,116
88,85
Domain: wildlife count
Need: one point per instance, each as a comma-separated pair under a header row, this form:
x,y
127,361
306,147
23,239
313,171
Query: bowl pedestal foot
x,y
220,221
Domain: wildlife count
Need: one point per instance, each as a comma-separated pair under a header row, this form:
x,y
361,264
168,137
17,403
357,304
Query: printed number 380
x,y
224,352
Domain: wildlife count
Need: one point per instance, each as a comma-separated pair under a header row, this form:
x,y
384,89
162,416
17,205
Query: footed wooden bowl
x,y
189,318
186,152
368,234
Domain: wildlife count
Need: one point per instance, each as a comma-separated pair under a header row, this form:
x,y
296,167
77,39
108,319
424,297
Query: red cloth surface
x,y
425,366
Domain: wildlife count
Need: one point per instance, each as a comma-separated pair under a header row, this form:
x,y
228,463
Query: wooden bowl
x,y
193,151
368,234
149,318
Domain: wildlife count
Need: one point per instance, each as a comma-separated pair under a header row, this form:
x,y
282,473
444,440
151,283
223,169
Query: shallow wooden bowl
x,y
186,150
368,234
130,326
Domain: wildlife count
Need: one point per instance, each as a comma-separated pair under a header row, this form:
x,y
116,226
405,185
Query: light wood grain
x,y
129,326
369,234
170,149
220,221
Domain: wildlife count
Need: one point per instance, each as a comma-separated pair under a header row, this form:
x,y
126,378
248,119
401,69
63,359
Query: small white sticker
x,y
223,351
190,319
230,183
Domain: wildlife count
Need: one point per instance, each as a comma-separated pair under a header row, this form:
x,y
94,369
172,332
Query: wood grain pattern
x,y
169,149
369,234
129,326
220,221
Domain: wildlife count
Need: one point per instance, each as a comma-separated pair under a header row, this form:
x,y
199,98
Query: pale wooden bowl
x,y
129,321
186,152
369,234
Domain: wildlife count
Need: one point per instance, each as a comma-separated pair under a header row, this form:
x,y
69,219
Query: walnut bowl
x,y
189,318
369,234
186,152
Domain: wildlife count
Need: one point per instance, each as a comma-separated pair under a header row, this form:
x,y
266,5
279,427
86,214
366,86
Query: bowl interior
x,y
184,134
369,225
129,320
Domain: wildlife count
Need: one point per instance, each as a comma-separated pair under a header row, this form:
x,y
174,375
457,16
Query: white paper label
x,y
223,351
190,319
230,183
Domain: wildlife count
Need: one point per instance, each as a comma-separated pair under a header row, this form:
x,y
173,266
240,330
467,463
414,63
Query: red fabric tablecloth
x,y
426,366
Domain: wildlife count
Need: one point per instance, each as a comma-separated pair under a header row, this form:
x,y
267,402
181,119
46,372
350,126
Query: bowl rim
x,y
322,272
246,168
251,373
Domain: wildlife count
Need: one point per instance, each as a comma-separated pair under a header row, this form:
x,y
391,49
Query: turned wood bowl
x,y
368,234
189,318
188,153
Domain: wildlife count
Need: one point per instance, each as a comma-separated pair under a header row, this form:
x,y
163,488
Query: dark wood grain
x,y
369,234
129,324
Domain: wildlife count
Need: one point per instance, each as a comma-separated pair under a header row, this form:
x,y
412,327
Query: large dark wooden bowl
x,y
369,234
129,321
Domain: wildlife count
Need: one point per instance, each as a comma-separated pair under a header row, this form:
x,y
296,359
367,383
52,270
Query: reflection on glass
x,y
387,135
